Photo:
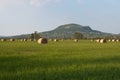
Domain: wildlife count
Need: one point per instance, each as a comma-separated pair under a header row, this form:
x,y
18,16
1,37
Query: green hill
x,y
67,31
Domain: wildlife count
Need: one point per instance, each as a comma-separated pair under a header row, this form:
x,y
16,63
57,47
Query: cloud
x,y
46,2
4,2
30,2
37,3
79,1
10,2
43,2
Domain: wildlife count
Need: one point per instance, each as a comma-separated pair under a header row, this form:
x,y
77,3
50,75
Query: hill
x,y
67,31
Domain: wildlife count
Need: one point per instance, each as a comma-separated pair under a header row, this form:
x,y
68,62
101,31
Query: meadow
x,y
63,60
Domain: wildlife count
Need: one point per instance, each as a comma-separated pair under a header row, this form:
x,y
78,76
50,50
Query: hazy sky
x,y
26,16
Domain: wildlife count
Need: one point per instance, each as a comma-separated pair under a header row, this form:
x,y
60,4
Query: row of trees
x,y
36,36
76,35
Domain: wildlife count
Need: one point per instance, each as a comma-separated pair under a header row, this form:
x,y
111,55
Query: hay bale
x,y
42,41
56,40
98,40
50,40
31,40
92,40
113,40
24,40
103,41
75,40
21,40
109,40
118,40
3,40
12,39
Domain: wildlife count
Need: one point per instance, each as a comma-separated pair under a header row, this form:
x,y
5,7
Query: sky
x,y
26,16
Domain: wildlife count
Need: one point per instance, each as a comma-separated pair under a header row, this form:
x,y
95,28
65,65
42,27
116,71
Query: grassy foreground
x,y
65,60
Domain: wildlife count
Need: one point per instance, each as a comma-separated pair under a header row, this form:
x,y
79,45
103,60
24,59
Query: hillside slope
x,y
67,31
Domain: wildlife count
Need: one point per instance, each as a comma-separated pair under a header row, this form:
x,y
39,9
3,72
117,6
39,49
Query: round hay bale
x,y
31,40
92,40
118,40
3,40
50,40
42,41
109,40
103,41
98,40
113,40
12,40
21,40
75,40
24,40
56,40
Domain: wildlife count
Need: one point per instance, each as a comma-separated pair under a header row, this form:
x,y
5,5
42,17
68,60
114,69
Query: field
x,y
64,60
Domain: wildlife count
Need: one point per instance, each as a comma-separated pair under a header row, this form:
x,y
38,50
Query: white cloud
x,y
37,3
4,2
43,2
10,2
31,2
78,1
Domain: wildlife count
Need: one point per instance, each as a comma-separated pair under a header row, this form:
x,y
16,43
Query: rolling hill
x,y
67,31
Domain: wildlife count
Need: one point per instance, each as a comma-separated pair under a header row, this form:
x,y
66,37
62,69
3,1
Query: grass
x,y
65,60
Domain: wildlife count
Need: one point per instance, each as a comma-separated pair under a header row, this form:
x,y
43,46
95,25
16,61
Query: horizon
x,y
26,16
54,29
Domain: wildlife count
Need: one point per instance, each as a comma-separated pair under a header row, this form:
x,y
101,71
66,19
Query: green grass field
x,y
65,60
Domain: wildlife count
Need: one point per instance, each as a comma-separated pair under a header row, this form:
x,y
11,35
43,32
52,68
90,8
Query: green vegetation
x,y
78,35
66,31
65,60
34,36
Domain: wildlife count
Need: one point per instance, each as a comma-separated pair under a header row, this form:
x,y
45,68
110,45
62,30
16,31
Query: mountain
x,y
16,36
67,31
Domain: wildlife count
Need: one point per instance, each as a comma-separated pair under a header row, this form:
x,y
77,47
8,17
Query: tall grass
x,y
65,60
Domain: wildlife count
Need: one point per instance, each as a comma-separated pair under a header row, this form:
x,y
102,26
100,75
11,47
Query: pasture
x,y
63,60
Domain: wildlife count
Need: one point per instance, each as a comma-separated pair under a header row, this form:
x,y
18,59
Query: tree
x,y
35,36
78,35
32,36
